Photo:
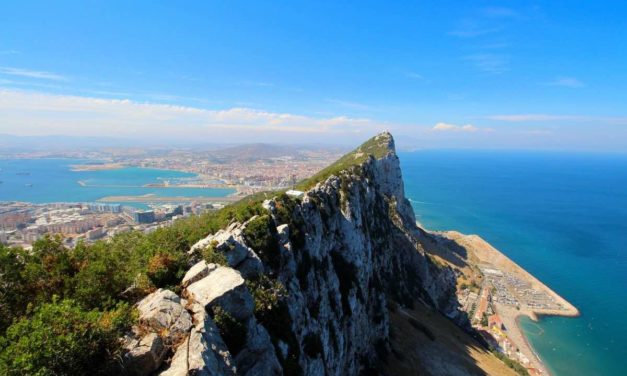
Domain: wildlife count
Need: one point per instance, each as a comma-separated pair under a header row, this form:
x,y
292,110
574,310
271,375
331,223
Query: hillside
x,y
321,284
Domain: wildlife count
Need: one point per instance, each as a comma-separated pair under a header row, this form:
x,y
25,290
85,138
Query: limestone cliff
x,y
344,254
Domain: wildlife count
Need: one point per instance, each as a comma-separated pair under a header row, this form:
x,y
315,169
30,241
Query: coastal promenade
x,y
492,285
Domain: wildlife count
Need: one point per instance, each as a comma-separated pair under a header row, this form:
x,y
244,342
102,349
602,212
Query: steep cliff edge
x,y
316,285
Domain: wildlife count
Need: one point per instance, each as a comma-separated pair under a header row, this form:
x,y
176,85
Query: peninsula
x,y
495,292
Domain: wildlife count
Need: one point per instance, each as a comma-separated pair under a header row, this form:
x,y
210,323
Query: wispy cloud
x,y
257,83
35,113
472,32
490,63
569,82
532,117
520,118
350,104
499,12
9,52
447,127
414,75
31,74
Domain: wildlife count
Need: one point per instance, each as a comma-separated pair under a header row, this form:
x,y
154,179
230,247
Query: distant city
x,y
246,169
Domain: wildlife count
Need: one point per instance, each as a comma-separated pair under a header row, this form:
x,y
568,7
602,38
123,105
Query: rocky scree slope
x,y
303,289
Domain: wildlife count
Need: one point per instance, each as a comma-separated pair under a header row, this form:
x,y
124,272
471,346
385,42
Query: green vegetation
x,y
268,294
92,282
62,309
377,148
61,338
286,213
260,235
517,367
233,332
272,312
212,255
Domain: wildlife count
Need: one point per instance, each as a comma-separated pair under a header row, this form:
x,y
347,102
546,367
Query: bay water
x,y
52,180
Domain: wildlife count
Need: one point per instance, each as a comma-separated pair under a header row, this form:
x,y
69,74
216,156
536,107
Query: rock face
x,y
163,313
164,322
203,352
223,287
144,354
349,248
344,253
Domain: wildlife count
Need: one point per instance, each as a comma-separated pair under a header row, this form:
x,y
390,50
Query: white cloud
x,y
569,82
414,75
532,117
31,74
447,127
35,113
499,12
490,63
516,118
472,32
257,83
349,104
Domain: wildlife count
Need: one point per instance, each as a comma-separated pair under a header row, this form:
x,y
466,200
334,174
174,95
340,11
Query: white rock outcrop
x,y
162,312
223,287
144,355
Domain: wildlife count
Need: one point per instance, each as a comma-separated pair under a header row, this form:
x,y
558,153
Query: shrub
x,y
212,255
62,339
286,213
267,294
233,332
260,235
165,269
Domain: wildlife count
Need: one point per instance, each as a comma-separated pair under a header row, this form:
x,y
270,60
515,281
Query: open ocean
x,y
561,216
51,180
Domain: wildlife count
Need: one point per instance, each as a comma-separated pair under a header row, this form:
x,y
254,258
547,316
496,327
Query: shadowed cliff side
x,y
322,281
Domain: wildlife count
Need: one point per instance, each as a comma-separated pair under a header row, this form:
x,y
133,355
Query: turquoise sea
x,y
51,180
561,216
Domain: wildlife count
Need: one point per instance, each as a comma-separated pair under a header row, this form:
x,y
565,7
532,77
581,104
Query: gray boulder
x,y
162,312
197,272
230,242
258,358
225,287
144,355
251,267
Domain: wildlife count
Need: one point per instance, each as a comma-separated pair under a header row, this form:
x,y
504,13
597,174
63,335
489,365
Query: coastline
x,y
480,253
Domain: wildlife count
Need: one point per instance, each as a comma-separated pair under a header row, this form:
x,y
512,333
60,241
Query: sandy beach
x,y
471,254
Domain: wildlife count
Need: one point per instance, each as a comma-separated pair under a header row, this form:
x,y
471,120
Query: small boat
x,y
28,185
23,173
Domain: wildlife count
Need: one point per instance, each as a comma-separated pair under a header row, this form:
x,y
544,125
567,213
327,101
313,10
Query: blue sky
x,y
530,75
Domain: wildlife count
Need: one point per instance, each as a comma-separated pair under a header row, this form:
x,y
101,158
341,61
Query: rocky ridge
x,y
343,255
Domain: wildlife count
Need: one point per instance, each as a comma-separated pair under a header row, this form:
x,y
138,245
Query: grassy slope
x,y
424,340
378,147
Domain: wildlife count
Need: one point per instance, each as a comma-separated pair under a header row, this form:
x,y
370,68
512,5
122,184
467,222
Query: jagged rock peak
x,y
379,146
